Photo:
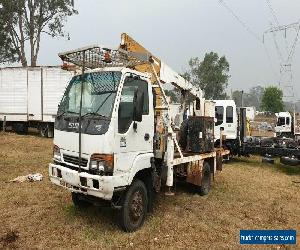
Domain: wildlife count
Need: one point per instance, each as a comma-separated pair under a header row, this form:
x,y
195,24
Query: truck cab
x,y
225,119
110,137
284,125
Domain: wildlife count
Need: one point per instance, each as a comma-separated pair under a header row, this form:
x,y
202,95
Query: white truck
x,y
114,142
288,125
226,125
30,96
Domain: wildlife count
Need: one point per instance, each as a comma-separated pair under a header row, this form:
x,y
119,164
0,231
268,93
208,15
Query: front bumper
x,y
94,185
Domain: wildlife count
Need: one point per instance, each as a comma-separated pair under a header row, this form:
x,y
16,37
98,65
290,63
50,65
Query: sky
x,y
176,30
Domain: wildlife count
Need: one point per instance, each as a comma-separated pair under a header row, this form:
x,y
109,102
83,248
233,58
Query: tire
x,y
289,161
206,180
44,130
267,160
20,128
79,203
50,132
134,207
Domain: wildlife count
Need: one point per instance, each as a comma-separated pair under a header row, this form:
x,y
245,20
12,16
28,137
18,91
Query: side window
x,y
287,121
229,114
125,112
219,115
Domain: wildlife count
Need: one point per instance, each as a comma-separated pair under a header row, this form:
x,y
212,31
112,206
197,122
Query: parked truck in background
x,y
29,97
287,125
114,140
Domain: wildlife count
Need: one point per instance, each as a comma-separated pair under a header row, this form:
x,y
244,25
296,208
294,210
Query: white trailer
x,y
30,96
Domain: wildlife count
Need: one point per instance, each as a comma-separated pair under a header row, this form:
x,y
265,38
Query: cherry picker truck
x,y
114,141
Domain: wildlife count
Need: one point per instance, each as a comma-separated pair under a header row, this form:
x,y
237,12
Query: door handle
x,y
147,137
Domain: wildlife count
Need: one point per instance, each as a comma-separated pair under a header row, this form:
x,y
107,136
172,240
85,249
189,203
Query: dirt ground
x,y
246,195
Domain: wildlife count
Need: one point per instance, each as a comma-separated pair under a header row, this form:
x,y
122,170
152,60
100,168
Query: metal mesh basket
x,y
100,57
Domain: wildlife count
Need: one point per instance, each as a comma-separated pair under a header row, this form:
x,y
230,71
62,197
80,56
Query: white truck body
x,y
226,119
284,123
31,94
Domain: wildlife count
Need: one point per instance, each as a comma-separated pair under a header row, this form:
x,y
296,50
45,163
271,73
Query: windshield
x,y
281,121
219,115
99,92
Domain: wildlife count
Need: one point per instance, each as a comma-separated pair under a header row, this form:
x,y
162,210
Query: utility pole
x,y
242,98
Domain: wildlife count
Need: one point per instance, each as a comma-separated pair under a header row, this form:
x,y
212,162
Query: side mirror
x,y
138,104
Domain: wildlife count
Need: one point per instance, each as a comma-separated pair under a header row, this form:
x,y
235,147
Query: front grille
x,y
75,160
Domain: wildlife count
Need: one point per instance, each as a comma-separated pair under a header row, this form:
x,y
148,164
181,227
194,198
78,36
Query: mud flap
x,y
194,173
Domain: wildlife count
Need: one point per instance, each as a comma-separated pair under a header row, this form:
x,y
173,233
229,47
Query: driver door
x,y
139,140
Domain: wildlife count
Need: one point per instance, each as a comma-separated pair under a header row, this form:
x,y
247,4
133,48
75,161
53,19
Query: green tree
x,y
211,75
272,99
253,98
23,22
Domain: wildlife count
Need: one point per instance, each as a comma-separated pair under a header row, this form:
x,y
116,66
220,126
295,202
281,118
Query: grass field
x,y
246,195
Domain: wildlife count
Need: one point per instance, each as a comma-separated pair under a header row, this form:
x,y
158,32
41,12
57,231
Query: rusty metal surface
x,y
194,172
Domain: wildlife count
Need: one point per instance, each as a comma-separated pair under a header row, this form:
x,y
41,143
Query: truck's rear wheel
x,y
46,130
20,128
290,161
134,209
206,180
50,131
43,130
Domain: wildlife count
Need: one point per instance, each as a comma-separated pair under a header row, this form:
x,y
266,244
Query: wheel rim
x,y
136,207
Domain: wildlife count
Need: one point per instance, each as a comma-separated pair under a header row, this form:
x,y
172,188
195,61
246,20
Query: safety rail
x,y
97,56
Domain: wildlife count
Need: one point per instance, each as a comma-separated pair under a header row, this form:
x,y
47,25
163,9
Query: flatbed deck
x,y
191,157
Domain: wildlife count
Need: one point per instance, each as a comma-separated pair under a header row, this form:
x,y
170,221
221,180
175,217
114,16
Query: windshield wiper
x,y
93,113
67,111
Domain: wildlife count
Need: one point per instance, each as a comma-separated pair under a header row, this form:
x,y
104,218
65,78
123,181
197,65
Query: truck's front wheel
x,y
134,209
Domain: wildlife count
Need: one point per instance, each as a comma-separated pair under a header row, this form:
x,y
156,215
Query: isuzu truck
x,y
114,140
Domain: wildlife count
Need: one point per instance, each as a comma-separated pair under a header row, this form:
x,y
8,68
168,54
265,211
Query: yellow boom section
x,y
129,44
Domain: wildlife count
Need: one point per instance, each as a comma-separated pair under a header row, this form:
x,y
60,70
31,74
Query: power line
x,y
273,13
277,46
240,21
249,30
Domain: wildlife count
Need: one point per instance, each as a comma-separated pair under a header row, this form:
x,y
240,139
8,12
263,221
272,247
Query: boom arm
x,y
162,70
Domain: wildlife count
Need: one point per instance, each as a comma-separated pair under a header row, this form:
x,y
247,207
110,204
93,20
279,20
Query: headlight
x,y
102,164
56,153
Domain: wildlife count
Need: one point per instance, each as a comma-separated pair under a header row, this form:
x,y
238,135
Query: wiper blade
x,y
93,113
66,112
